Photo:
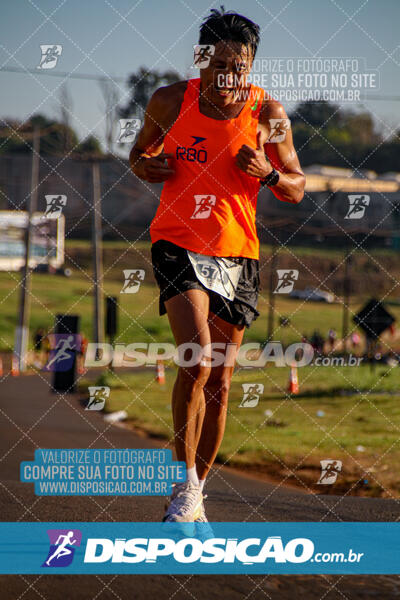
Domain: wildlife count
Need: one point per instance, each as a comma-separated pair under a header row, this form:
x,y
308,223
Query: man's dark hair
x,y
229,26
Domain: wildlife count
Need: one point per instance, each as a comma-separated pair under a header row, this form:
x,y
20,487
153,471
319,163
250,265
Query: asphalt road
x,y
31,417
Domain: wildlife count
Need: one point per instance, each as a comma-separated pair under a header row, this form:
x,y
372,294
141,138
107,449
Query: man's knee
x,y
195,376
218,385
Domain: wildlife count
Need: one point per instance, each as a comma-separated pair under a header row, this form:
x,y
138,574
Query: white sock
x,y
201,484
191,475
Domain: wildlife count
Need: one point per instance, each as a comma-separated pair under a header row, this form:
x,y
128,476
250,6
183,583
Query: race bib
x,y
220,275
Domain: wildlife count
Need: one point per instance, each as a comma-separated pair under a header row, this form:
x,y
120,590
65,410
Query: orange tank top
x,y
209,205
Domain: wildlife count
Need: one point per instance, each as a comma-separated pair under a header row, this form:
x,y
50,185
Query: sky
x,y
116,37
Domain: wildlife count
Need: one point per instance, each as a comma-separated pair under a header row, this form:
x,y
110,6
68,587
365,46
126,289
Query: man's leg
x,y
187,313
216,397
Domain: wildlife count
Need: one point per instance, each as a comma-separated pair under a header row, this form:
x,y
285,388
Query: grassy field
x,y
348,414
143,245
139,320
360,418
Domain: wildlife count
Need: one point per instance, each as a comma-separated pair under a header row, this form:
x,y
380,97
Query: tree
x,y
143,84
316,114
361,127
326,134
91,146
55,138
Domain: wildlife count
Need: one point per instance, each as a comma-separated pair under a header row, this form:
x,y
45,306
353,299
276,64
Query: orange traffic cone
x,y
160,378
293,387
14,366
81,367
1,367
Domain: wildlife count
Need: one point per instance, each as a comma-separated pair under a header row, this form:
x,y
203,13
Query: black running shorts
x,y
174,274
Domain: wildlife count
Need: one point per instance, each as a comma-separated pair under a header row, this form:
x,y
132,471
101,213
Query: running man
x,y
230,120
50,55
61,351
287,280
331,470
54,206
203,55
133,280
360,204
62,549
98,396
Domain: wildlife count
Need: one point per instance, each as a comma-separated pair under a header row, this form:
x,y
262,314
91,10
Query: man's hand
x,y
154,169
253,161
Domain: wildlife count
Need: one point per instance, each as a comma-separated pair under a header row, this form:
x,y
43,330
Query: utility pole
x,y
346,299
22,331
271,295
98,323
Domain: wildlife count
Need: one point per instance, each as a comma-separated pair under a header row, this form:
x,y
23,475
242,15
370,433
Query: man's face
x,y
225,76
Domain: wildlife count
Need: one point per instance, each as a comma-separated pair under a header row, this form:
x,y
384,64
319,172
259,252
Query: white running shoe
x,y
203,528
202,516
185,505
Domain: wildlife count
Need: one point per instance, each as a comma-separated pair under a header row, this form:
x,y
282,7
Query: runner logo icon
x,y
329,471
133,279
202,55
129,129
98,394
357,205
50,55
54,206
251,394
278,130
287,278
204,204
62,547
63,352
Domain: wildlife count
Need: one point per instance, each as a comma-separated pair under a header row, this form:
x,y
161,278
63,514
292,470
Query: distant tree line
x,y
330,135
324,133
55,138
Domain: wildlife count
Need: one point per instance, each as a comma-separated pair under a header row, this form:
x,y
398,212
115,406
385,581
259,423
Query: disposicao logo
x,y
191,550
62,547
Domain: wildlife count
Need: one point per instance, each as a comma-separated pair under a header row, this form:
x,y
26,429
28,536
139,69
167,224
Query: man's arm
x,y
146,157
281,156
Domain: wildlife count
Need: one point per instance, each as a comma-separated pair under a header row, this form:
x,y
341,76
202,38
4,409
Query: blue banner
x,y
92,472
213,548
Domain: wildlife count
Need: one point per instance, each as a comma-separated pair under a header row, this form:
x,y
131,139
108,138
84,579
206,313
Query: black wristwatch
x,y
271,179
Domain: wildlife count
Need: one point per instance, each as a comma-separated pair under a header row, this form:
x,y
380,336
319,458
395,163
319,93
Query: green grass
x,y
294,435
323,250
139,319
52,294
